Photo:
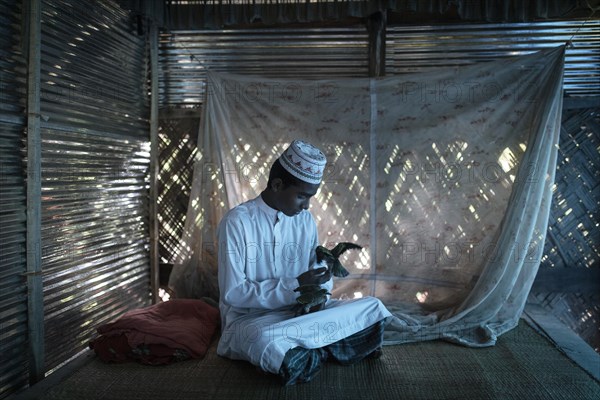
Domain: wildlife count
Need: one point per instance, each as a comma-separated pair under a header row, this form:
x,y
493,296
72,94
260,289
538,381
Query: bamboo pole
x,y
376,26
35,300
154,265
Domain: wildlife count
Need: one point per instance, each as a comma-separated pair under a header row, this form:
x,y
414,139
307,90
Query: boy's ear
x,y
276,184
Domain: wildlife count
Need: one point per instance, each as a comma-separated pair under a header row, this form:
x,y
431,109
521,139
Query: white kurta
x,y
261,252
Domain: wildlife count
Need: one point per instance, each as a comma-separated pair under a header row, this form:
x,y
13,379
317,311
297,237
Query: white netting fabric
x,y
445,178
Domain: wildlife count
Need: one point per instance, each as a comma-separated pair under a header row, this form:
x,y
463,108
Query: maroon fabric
x,y
112,348
160,333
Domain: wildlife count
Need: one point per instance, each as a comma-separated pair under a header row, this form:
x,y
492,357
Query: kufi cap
x,y
304,161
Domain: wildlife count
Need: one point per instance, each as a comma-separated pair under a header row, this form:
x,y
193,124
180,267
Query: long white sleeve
x,y
261,254
237,288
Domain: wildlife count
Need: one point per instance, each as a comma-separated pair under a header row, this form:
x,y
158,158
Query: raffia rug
x,y
522,365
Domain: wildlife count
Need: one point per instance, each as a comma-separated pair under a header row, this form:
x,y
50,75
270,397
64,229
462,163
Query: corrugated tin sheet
x,y
95,159
418,48
326,52
215,14
298,53
13,290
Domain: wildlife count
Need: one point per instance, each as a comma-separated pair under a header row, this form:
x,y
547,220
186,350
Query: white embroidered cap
x,y
304,161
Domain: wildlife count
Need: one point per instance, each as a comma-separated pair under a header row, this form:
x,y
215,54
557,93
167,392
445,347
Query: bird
x,y
331,257
311,296
310,299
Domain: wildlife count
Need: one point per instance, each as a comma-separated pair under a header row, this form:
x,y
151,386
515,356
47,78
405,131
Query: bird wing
x,y
337,269
341,247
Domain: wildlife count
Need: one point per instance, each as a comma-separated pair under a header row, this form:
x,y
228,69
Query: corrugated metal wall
x,y
419,48
13,290
95,160
296,53
326,52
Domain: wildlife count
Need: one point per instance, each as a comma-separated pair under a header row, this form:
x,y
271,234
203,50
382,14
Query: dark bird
x,y
313,296
307,288
331,257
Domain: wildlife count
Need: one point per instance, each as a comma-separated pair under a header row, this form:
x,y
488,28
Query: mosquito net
x,y
445,178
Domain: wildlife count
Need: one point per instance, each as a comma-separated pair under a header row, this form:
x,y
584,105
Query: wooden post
x,y
154,265
35,295
376,25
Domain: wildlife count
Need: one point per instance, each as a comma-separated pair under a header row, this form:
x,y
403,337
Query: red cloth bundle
x,y
159,334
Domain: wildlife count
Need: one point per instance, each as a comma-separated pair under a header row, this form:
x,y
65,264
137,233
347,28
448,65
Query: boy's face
x,y
294,198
